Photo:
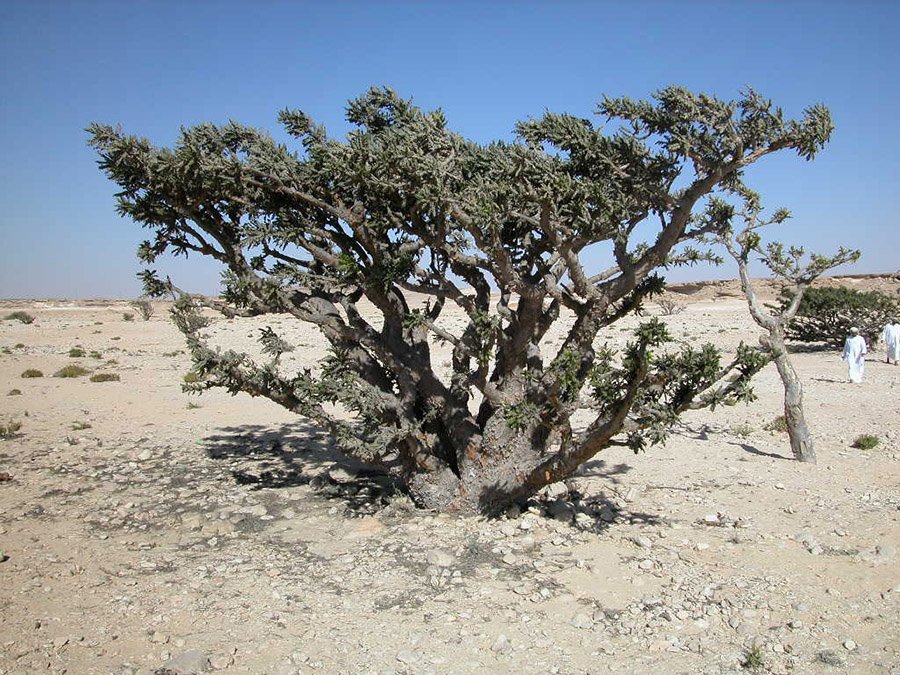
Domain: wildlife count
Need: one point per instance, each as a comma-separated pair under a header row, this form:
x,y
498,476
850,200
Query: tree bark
x,y
798,431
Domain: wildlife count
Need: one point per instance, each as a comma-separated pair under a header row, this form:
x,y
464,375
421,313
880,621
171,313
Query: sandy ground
x,y
145,529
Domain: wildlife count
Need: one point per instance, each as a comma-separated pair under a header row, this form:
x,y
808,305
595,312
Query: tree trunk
x,y
798,432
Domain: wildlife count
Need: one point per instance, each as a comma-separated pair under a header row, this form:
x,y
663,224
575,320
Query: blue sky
x,y
154,66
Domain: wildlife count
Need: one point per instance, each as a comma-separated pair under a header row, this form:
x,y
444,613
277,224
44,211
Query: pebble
x,y
501,644
849,645
582,620
439,558
188,663
407,657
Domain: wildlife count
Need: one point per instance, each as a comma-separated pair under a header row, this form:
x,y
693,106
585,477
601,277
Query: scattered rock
x,y
187,663
439,558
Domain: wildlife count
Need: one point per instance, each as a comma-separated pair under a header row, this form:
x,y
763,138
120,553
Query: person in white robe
x,y
891,337
854,354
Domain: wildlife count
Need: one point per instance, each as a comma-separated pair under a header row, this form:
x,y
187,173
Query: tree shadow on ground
x,y
811,347
263,457
756,451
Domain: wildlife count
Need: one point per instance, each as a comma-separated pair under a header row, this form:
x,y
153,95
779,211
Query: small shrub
x,y
115,338
741,430
80,426
144,307
128,316
753,658
6,350
8,429
670,307
24,317
19,345
31,372
15,392
193,406
76,352
865,442
175,353
96,355
105,377
191,377
779,424
71,371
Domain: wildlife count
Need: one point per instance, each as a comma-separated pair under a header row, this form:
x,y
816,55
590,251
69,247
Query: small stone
x,y
849,645
188,663
407,657
526,525
439,558
221,661
582,620
510,559
779,486
646,564
885,551
501,644
643,542
702,546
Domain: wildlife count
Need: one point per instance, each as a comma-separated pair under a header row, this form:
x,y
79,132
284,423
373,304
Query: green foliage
x,y
105,377
71,371
753,659
350,234
127,316
32,372
865,442
826,315
191,377
19,315
76,352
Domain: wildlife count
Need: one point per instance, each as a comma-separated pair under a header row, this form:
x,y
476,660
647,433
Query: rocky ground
x,y
146,531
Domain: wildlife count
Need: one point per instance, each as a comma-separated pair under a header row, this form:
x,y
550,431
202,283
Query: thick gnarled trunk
x,y
798,432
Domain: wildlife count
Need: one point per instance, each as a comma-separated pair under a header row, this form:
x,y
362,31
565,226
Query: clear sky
x,y
154,66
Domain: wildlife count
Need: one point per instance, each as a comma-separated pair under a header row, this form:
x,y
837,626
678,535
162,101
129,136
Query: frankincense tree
x,y
404,206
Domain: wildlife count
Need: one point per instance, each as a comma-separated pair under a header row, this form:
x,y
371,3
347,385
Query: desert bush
x,y
19,345
669,307
95,355
865,442
741,430
31,372
753,658
80,426
19,315
76,352
144,308
404,206
8,429
778,424
71,371
127,316
826,314
15,392
105,377
193,406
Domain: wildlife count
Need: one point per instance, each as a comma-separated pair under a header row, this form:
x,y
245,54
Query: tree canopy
x,y
404,206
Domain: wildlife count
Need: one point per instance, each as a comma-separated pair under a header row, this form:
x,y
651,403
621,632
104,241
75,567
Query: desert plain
x,y
145,530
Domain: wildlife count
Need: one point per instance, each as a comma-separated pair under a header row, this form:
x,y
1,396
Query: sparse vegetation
x,y
76,352
127,316
144,308
71,371
80,426
32,372
105,377
753,659
865,442
193,406
741,430
19,345
24,317
669,307
15,392
8,429
191,377
95,355
779,425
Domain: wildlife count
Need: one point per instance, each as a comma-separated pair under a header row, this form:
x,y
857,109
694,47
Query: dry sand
x,y
229,536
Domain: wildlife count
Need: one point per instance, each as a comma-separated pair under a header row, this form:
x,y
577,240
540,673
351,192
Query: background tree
x,y
402,206
826,314
792,266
